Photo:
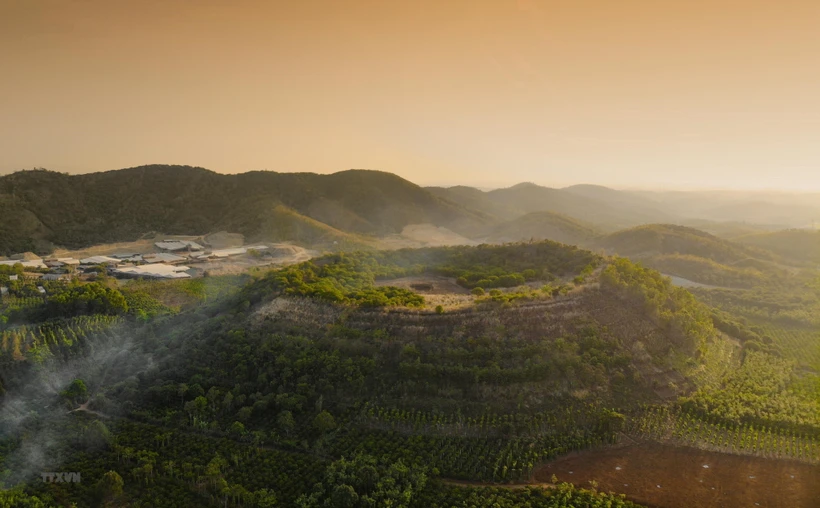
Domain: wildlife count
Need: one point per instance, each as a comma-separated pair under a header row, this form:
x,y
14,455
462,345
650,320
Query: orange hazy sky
x,y
618,92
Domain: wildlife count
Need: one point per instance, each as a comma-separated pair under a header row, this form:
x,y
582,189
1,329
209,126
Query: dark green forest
x,y
321,384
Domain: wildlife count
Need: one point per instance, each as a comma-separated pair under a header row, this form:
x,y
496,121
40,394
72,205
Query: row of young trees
x,y
675,424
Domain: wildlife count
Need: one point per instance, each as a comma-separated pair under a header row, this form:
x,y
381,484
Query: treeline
x,y
753,338
687,322
759,393
350,278
795,302
708,271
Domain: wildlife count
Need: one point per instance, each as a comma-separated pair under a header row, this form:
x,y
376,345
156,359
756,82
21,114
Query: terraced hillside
x,y
307,377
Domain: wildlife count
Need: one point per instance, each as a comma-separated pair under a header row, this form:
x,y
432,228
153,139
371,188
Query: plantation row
x,y
176,469
476,459
564,418
800,344
662,424
37,341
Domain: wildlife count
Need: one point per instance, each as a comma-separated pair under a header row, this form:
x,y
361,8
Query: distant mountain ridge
x,y
41,208
606,208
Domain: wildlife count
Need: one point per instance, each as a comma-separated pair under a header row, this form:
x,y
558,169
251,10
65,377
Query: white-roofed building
x,y
175,245
155,271
34,263
162,257
100,260
57,277
224,253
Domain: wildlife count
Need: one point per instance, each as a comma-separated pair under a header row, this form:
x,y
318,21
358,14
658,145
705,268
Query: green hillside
x,y
542,226
695,255
476,199
800,245
301,383
706,271
653,239
80,210
284,224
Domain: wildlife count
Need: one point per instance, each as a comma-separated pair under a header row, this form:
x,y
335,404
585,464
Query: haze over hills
x,y
44,209
773,208
609,210
799,244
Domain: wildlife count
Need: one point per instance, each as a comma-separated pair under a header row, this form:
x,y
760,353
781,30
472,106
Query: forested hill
x,y
696,255
798,244
540,226
671,239
43,208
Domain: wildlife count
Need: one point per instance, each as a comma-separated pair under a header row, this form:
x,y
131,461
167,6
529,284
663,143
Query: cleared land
x,y
423,235
676,477
436,290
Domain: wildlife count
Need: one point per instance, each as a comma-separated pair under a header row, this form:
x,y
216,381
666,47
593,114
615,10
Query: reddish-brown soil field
x,y
675,477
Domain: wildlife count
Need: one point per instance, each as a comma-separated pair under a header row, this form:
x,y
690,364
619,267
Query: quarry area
x,y
160,257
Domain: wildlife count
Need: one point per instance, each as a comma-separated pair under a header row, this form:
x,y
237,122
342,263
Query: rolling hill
x,y
802,245
654,239
43,208
606,208
694,255
542,226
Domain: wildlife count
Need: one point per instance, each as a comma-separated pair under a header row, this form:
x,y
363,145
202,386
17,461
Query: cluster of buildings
x,y
170,262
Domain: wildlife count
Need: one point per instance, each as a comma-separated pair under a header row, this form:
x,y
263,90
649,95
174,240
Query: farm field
x,y
654,474
801,344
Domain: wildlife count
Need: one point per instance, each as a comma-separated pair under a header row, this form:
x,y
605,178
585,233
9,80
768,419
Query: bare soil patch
x,y
677,477
423,235
281,255
426,285
436,290
224,240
